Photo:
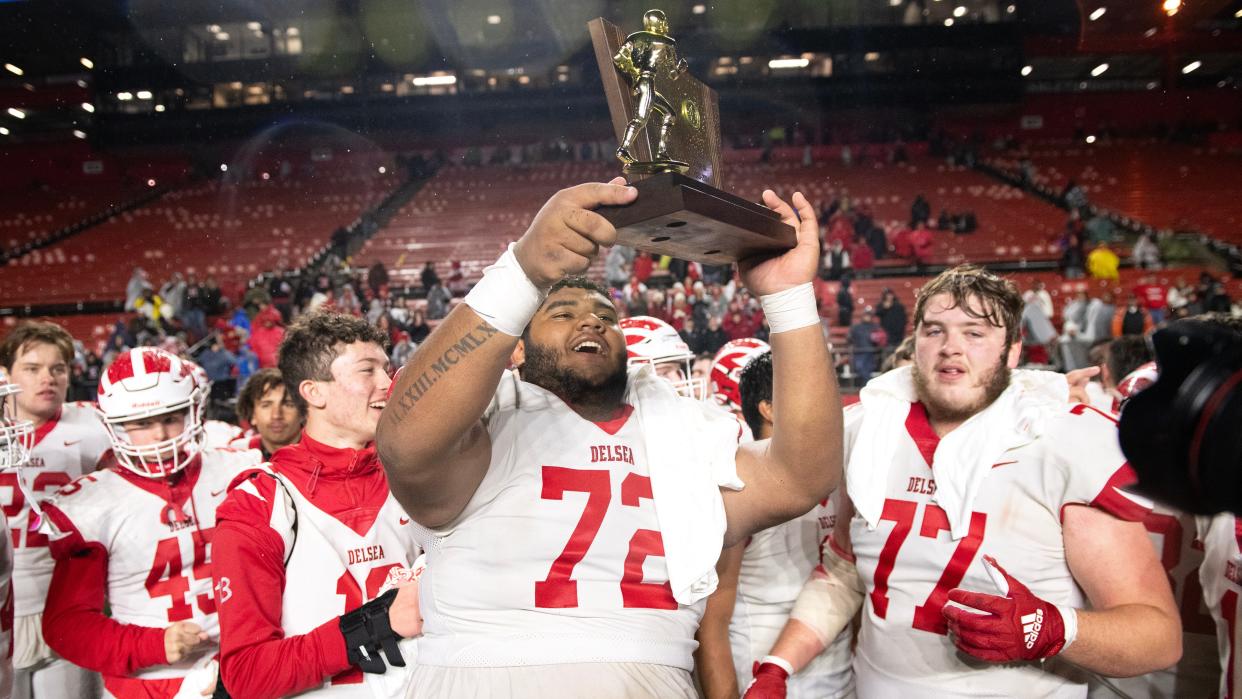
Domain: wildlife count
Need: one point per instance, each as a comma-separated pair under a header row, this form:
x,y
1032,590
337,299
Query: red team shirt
x,y
142,546
909,562
66,447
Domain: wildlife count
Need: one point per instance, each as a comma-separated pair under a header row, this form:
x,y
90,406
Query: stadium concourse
x,y
316,381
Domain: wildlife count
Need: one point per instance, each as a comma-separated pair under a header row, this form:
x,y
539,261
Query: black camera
x,y
1183,434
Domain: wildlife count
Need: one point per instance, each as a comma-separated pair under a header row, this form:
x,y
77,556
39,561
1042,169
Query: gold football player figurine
x,y
645,55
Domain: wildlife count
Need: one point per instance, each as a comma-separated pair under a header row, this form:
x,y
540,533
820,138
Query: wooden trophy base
x,y
679,216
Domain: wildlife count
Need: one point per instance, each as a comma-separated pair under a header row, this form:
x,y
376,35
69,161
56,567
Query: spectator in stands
x,y
1102,263
212,297
892,316
715,337
738,324
220,365
1146,254
280,289
438,299
1075,196
692,335
1099,230
1041,294
133,289
617,265
836,260
1076,311
151,307
1178,296
428,276
417,326
867,340
921,243
1132,320
1099,325
845,304
402,350
193,314
1153,297
1038,333
265,338
920,211
377,277
173,293
1073,262
861,257
247,363
457,279
1212,294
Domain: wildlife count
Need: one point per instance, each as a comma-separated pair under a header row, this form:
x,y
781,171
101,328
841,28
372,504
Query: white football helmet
x,y
143,383
16,436
1138,380
651,341
727,369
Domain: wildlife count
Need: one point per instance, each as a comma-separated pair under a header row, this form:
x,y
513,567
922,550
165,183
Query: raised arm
x,y
801,464
431,437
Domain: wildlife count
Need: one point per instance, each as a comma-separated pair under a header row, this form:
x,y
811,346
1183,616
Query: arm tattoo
x,y
472,340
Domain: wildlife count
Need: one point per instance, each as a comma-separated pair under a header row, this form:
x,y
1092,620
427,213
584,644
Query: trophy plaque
x,y
668,131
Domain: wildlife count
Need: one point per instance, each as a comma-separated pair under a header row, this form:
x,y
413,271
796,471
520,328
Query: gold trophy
x,y
668,127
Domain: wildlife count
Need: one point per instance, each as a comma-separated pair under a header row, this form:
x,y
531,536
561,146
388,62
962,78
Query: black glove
x,y
367,631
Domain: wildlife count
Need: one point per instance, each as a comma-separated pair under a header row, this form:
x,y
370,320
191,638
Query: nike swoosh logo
x,y
70,443
216,493
1003,463
402,520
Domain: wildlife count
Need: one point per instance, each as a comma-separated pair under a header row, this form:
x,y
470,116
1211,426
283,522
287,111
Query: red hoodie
x,y
264,338
256,659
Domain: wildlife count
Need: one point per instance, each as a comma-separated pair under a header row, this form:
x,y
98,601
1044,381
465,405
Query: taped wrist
x,y
367,632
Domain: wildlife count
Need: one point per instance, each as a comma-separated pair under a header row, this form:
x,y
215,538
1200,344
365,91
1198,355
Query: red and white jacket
x,y
282,590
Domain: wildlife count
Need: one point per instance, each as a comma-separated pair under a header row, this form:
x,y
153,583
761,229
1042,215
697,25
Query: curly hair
x,y
314,341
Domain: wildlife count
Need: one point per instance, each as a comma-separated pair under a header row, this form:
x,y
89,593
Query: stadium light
x,y
1011,9
1026,70
1191,67
86,62
1099,70
159,107
254,26
383,170
14,69
894,3
1098,13
493,19
88,107
224,167
948,22
699,9
4,131
124,96
431,80
150,183
959,11
78,133
222,36
778,63
1171,7
1091,139
16,113
1237,15
144,94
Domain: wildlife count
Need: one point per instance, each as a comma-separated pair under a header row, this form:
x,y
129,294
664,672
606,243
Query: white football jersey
x,y
909,563
1221,578
65,448
159,553
558,557
775,565
332,568
1177,543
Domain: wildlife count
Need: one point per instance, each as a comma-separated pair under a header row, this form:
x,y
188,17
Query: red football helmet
x,y
727,369
652,341
144,383
1138,380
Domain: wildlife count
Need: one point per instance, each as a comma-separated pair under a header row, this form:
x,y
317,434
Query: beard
x,y
541,368
993,383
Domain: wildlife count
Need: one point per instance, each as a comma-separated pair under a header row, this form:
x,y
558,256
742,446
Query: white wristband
x,y
779,662
505,297
790,309
1069,617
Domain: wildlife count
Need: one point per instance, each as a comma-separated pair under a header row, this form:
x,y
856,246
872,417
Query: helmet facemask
x,y
167,456
16,435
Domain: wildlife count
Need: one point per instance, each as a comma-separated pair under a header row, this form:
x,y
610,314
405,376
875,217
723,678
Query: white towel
x,y
964,456
691,454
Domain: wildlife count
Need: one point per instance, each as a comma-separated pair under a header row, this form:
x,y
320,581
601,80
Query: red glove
x,y
769,682
1015,625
